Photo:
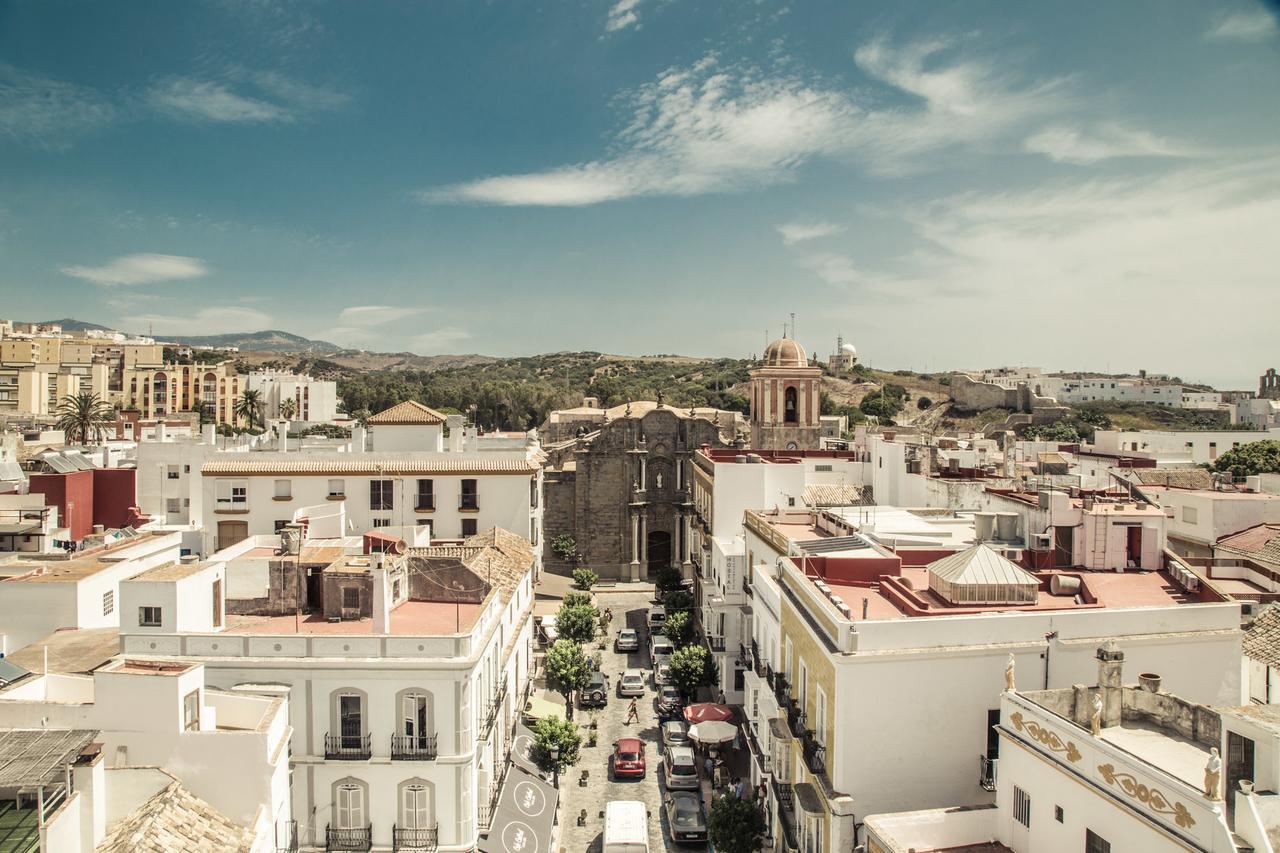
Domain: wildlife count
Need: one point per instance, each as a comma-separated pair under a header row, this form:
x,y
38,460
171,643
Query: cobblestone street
x,y
629,610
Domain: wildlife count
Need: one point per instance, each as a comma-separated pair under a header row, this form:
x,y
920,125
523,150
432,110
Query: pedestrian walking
x,y
720,698
710,766
633,713
738,788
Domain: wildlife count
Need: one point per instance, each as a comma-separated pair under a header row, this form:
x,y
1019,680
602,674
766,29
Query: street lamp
x,y
555,767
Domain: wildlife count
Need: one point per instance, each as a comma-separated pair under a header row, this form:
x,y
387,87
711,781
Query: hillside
x,y
270,340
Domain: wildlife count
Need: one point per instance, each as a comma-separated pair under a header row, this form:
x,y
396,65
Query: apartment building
x,y
406,673
1169,447
313,400
40,366
158,391
1112,766
868,656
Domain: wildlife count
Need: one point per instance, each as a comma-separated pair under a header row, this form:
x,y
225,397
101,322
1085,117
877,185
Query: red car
x,y
627,761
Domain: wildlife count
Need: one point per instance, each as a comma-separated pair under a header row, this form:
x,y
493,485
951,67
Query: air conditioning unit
x,y
1042,542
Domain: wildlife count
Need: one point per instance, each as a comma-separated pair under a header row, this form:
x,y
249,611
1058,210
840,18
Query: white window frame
x,y
284,488
348,806
339,490
232,493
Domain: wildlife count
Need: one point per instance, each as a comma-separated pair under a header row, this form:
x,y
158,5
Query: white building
x,y
727,483
1199,518
868,697
228,748
314,400
28,525
1155,772
1178,448
45,593
405,675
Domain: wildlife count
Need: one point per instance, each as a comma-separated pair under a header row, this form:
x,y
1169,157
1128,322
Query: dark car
x,y
686,819
596,693
670,703
627,761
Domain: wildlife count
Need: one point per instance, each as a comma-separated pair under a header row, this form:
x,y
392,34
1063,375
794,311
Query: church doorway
x,y
659,545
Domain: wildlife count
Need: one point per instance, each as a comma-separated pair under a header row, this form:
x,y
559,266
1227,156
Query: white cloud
x,y
140,269
437,341
206,321
48,112
1254,25
622,14
375,315
1082,147
242,96
833,268
709,128
798,232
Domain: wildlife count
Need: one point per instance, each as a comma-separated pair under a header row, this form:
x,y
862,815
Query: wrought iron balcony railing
x,y
413,747
815,755
987,772
716,644
348,838
786,813
403,838
348,747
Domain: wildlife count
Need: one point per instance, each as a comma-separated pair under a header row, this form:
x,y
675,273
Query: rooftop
x,y
34,757
1160,747
1261,542
367,464
175,819
70,650
411,619
177,570
128,666
1212,494
408,413
1262,640
77,568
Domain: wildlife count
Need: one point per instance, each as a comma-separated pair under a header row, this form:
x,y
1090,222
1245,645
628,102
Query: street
x,y
629,611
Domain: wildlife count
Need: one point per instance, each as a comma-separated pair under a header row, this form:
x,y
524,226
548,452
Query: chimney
x,y
106,457
209,434
381,595
161,430
1110,681
282,438
357,439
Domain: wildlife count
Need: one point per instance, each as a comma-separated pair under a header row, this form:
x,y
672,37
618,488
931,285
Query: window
x,y
415,721
468,527
108,602
186,469
426,495
380,494
1057,813
217,603
348,807
337,488
232,494
469,497
172,505
415,805
351,720
350,598
284,488
1189,514
791,405
1021,807
191,711
280,524
1095,843
382,522
533,492
172,472
149,617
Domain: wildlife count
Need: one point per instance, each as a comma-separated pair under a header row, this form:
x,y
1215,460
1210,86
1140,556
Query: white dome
x,y
849,349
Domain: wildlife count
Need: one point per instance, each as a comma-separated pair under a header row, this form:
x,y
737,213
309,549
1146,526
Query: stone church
x,y
617,480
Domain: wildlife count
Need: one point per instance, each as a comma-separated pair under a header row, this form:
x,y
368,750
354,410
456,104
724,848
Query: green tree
x,y
552,733
1063,431
83,417
678,600
584,578
877,404
568,669
203,410
679,628
564,546
923,403
735,825
288,408
693,667
577,622
249,407
668,578
1256,457
573,598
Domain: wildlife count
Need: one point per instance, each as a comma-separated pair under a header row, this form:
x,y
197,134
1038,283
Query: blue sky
x,y
1074,186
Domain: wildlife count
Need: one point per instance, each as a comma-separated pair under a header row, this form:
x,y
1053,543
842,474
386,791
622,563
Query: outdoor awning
x,y
525,814
36,757
807,797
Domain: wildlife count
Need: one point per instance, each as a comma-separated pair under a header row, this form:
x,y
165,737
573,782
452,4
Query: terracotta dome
x,y
785,352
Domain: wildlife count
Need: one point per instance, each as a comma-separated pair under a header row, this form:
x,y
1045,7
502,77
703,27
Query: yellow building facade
x,y
180,387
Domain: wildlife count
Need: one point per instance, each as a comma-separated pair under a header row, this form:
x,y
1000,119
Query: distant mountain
x,y
70,325
270,340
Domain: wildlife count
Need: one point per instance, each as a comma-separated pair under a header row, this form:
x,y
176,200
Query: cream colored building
x,y
38,370
179,387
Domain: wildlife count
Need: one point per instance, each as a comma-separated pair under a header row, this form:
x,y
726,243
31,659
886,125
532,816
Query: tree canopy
x,y
568,669
577,622
679,628
1256,457
83,417
550,733
693,667
735,825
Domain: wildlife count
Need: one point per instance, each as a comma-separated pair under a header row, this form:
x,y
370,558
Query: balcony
x,y
360,838
348,748
786,813
795,718
287,837
715,644
815,755
987,773
746,585
413,748
469,503
780,685
484,814
414,839
491,708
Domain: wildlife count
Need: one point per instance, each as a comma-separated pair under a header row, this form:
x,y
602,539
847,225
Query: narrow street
x,y
629,611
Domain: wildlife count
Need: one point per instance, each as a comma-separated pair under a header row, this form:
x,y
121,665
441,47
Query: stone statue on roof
x,y
1095,719
1212,774
1008,674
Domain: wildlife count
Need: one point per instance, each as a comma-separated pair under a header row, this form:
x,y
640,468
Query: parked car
x,y
631,683
628,641
660,647
681,768
627,761
686,817
626,827
675,733
670,703
657,618
661,674
596,693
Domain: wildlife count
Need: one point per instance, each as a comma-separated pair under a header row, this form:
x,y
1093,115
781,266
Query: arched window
x,y
415,724
417,809
350,804
348,723
792,405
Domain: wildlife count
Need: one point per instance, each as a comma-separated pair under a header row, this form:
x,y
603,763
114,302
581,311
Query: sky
x,y
1074,186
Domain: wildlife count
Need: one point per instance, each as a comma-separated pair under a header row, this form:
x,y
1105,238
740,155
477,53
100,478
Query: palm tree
x,y
249,407
204,410
288,408
82,417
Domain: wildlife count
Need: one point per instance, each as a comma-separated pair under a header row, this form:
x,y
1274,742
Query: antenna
x,y
793,324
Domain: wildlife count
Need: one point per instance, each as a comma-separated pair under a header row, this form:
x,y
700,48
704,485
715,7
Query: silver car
x,y
631,683
681,768
628,641
675,733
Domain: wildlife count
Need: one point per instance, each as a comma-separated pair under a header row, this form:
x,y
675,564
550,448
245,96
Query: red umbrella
x,y
708,711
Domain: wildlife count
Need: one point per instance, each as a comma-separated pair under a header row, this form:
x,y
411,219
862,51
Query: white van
x,y
626,827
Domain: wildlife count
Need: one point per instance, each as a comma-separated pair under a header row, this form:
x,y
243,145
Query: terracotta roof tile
x,y
175,819
408,413
1262,640
1261,542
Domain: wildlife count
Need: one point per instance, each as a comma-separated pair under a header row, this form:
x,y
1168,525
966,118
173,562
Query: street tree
x,y
568,669
584,578
679,628
551,734
691,668
577,622
735,825
677,601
